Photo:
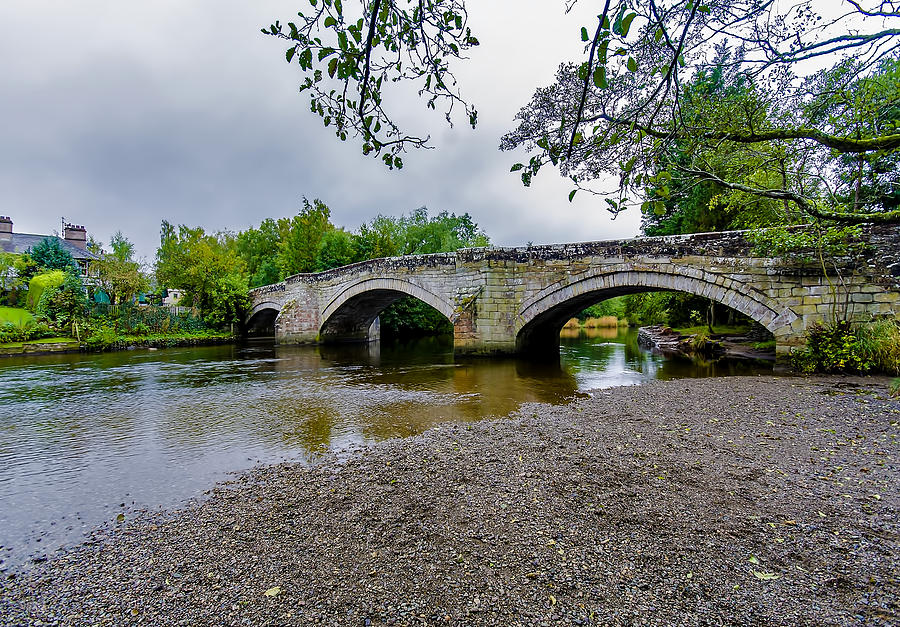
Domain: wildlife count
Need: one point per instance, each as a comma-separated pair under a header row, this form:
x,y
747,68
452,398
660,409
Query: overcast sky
x,y
118,115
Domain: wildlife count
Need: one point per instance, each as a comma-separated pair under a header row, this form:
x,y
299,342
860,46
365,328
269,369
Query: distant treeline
x,y
216,270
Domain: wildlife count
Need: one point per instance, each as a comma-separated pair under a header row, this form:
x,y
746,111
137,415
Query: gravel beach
x,y
728,501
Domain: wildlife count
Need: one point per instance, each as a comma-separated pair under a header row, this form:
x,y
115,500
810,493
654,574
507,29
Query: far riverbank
x,y
741,500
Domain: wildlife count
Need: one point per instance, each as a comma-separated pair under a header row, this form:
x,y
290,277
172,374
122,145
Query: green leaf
x,y
516,167
289,54
584,34
600,77
658,35
601,51
631,64
332,67
626,23
659,207
329,22
572,194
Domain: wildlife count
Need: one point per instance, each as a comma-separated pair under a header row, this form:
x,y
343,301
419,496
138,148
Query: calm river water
x,y
84,438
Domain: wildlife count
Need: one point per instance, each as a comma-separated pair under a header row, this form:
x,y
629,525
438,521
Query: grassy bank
x,y
108,342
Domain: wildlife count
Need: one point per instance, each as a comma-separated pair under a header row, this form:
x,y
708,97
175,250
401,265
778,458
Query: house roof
x,y
21,242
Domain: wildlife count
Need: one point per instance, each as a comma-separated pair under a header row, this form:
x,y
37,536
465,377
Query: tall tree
x,y
258,247
301,237
118,274
49,254
209,270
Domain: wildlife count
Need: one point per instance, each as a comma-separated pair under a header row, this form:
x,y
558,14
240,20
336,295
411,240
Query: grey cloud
x,y
188,113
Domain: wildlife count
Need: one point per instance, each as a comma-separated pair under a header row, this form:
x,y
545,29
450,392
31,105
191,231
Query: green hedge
x,y
40,283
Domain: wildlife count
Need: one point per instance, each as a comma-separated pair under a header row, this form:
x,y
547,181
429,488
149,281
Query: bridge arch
x,y
350,314
260,320
540,318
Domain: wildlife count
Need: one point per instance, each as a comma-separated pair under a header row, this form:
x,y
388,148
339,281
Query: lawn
x,y
717,328
17,316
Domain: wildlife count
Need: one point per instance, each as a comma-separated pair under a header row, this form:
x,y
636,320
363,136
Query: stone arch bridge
x,y
516,300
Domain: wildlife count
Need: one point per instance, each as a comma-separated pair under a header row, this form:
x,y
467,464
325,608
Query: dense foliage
x,y
49,254
309,242
40,283
208,268
62,304
841,347
117,273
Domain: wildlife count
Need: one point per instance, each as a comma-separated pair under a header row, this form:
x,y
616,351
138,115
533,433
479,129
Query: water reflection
x,y
82,434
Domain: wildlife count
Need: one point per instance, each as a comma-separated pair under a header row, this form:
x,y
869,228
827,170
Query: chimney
x,y
76,235
5,229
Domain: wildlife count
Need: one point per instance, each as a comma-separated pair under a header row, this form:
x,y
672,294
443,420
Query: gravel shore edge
x,y
738,501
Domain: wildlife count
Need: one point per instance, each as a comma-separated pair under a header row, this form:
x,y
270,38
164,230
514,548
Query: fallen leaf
x,y
273,592
753,560
764,575
552,600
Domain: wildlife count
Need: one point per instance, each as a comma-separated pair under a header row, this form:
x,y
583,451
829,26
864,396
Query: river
x,y
87,437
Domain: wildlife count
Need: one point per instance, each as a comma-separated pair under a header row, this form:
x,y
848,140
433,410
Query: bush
x,y
11,332
842,348
40,283
64,304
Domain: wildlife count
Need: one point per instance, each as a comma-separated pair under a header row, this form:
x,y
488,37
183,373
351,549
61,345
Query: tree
x,y
336,249
350,58
258,247
209,270
619,113
122,248
118,274
50,255
301,237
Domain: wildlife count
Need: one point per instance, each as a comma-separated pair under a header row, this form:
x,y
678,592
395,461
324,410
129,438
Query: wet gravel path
x,y
748,501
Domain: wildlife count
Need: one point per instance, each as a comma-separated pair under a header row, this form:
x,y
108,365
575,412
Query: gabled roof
x,y
21,242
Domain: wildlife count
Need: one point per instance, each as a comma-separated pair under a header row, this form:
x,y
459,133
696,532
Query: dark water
x,y
84,438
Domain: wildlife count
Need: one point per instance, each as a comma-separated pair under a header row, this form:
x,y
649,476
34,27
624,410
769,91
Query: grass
x,y
879,342
717,329
602,321
19,317
46,340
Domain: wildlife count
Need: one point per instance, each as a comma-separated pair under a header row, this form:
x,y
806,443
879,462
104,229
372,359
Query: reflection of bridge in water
x,y
516,300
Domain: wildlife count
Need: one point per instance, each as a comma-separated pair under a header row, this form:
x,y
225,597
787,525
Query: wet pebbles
x,y
730,501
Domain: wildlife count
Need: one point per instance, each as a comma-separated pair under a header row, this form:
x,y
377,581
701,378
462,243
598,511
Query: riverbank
x,y
751,500
71,345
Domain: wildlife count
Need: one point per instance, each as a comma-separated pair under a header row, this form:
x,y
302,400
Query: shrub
x,y
40,283
64,304
842,348
832,348
10,332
